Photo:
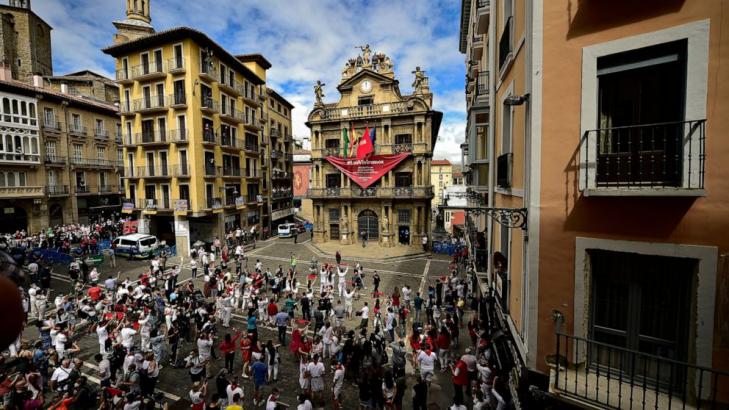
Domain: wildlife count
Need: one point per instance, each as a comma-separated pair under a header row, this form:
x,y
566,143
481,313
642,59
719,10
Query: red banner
x,y
366,172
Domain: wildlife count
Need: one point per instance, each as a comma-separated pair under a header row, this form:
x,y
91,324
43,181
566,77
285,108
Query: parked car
x,y
286,230
137,244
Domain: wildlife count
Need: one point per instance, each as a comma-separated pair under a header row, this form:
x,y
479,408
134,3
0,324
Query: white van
x,y
286,230
138,244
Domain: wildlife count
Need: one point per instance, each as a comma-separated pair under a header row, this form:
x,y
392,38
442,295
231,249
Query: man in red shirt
x,y
460,379
271,309
94,293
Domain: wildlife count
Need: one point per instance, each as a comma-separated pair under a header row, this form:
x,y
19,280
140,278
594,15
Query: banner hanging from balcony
x,y
366,172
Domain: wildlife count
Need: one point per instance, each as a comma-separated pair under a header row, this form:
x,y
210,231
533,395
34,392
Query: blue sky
x,y
305,40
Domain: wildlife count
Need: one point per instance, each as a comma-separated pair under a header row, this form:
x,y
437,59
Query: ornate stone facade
x,y
397,208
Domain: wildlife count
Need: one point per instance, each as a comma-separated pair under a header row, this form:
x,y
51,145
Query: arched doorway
x,y
14,218
55,215
367,222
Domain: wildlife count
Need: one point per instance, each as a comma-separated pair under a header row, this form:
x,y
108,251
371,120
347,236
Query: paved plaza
x,y
174,383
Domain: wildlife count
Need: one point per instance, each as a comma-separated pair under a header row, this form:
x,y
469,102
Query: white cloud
x,y
448,146
305,40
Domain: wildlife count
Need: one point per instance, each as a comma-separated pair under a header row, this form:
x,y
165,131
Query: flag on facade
x,y
373,137
364,147
346,141
353,144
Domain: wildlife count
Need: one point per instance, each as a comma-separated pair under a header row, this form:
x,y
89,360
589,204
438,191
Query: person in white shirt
x,y
326,333
390,324
233,389
365,314
204,346
127,335
272,401
337,384
426,361
323,279
304,403
103,333
342,279
226,305
94,275
406,291
316,371
61,374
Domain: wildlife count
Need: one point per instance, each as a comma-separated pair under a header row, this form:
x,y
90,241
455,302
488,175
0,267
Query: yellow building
x,y
441,175
395,207
192,121
280,170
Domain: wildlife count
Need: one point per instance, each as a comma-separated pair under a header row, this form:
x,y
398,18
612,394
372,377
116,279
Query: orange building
x,y
604,123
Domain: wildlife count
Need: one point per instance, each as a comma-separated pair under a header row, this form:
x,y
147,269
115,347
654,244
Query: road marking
x,y
96,380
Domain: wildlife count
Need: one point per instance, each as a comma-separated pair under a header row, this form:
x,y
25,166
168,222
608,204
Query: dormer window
x,y
365,101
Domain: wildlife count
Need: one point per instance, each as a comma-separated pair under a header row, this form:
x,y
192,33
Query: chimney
x,y
37,80
64,88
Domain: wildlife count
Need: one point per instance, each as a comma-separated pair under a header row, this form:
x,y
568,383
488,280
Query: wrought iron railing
x,y
176,63
181,170
209,136
374,192
366,110
617,377
662,155
57,190
151,103
482,83
179,135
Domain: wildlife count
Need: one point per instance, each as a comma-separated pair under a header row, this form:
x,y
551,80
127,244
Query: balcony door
x,y
150,164
147,131
179,91
163,163
145,63
147,93
641,106
178,56
158,61
641,303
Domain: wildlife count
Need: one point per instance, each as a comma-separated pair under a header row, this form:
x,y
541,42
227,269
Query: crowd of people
x,y
154,321
85,238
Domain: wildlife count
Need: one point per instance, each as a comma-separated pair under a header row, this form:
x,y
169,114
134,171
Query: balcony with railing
x,y
108,189
150,71
251,123
506,43
477,46
52,125
85,189
235,88
125,107
176,65
153,103
593,374
276,154
274,133
231,115
282,193
55,160
78,131
251,148
229,141
250,98
124,76
208,72
178,100
483,12
101,134
19,158
481,96
147,204
209,137
181,170
660,159
152,138
158,171
231,172
179,136
214,203
278,174
422,192
363,111
209,106
57,190
211,171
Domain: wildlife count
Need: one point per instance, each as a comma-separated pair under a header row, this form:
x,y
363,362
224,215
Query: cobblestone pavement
x,y
175,383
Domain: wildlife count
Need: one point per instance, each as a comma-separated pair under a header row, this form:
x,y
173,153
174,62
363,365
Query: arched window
x,y
6,109
34,145
8,143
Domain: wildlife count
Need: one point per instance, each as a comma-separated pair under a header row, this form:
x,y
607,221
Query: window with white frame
x,y
78,152
100,152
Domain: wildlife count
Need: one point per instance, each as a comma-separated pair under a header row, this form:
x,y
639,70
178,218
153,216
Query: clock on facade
x,y
366,86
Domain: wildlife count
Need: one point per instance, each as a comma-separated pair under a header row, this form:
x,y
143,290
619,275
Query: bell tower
x,y
137,24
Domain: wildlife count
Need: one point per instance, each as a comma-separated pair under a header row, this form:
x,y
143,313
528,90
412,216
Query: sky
x,y
305,41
